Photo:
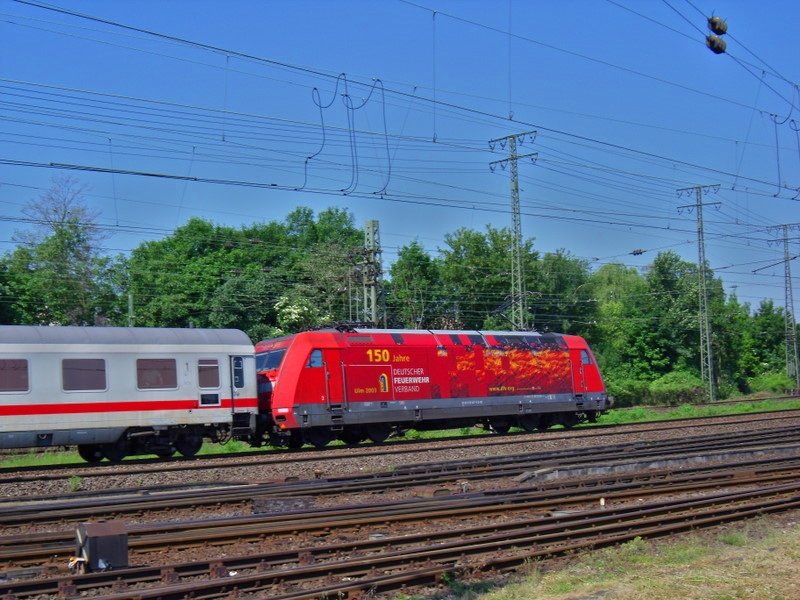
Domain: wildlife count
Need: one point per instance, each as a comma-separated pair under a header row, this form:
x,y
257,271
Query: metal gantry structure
x,y
372,273
519,309
706,347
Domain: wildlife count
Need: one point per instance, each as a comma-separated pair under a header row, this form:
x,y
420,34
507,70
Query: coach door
x,y
238,378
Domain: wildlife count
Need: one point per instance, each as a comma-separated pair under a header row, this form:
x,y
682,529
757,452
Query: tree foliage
x,y
279,277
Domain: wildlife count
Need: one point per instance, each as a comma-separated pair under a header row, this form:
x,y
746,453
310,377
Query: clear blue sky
x,y
627,107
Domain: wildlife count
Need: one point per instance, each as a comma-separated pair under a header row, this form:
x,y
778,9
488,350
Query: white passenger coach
x,y
114,391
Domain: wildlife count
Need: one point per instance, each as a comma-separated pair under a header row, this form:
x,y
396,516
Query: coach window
x,y
315,359
14,375
208,373
156,373
585,358
83,374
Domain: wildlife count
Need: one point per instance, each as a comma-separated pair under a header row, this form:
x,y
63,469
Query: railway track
x,y
117,503
21,475
379,563
34,549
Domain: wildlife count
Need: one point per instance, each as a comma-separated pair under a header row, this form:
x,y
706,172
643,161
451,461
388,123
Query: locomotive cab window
x,y
586,359
315,359
267,361
83,374
208,373
156,373
14,375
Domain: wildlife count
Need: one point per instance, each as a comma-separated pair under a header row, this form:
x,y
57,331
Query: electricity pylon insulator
x,y
717,25
716,44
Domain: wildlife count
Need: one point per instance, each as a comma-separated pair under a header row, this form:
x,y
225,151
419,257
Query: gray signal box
x,y
103,546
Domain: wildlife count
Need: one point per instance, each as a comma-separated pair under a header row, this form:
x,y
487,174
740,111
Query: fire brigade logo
x,y
383,382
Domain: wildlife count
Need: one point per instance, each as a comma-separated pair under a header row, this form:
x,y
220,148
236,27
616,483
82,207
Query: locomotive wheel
x,y
165,452
544,422
351,437
568,420
378,433
529,422
319,437
295,440
189,444
500,426
91,453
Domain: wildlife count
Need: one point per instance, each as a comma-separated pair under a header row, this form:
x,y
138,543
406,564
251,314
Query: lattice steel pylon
x,y
706,348
519,309
372,275
792,369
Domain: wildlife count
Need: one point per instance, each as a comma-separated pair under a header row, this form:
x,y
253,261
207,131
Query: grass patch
x,y
636,414
34,458
755,560
74,483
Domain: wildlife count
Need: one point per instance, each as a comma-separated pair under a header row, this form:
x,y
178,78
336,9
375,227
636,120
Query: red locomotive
x,y
365,383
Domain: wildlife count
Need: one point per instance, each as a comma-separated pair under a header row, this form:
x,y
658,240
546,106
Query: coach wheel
x,y
189,444
116,451
529,422
500,426
351,437
90,453
319,437
378,433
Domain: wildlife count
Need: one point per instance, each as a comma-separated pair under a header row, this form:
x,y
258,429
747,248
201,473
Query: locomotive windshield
x,y
266,361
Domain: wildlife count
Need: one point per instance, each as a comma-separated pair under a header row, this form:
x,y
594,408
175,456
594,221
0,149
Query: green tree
x,y
413,293
57,274
562,300
476,276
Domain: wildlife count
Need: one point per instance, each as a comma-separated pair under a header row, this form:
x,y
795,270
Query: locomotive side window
x,y
585,358
477,340
83,374
208,372
156,373
14,375
315,359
